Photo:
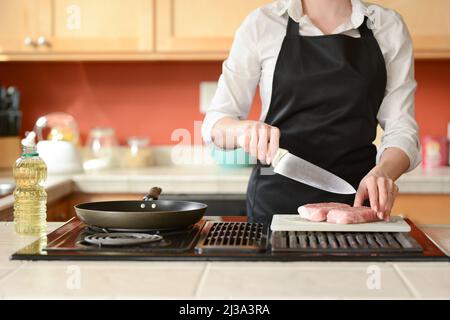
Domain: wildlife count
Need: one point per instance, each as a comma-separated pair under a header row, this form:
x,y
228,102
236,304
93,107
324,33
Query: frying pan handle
x,y
153,194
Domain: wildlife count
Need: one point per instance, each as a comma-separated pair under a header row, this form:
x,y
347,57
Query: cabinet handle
x,y
28,41
42,41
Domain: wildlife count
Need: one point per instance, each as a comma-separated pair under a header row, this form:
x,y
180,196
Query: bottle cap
x,y
29,145
29,140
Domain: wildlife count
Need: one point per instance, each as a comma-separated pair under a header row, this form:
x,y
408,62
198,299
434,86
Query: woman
x,y
328,72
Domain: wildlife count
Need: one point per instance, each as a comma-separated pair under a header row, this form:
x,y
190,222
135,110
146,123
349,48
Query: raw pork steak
x,y
352,215
318,211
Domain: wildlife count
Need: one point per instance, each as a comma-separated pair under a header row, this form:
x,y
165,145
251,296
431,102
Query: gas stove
x,y
228,239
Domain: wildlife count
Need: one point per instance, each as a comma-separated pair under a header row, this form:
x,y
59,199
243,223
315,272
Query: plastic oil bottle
x,y
30,206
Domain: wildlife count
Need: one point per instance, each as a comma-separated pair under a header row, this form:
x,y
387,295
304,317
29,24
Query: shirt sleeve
x,y
396,114
240,76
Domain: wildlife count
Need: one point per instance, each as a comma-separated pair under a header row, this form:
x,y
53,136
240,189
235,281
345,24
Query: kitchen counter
x,y
219,180
222,280
216,180
209,179
56,187
172,179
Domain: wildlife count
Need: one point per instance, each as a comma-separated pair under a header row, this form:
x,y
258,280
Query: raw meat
x,y
352,215
318,211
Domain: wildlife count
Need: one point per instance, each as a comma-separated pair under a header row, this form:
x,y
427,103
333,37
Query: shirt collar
x,y
295,10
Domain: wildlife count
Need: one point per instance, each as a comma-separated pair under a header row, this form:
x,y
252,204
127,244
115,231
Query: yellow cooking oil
x,y
30,205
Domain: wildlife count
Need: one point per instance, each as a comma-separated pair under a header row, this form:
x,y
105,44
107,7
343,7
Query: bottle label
x,y
30,154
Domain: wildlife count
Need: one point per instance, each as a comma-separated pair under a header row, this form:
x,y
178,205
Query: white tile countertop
x,y
172,179
56,187
222,180
222,280
420,180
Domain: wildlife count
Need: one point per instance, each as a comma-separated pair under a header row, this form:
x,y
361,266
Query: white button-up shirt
x,y
252,58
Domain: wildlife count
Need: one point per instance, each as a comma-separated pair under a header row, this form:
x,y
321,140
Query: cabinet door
x,y
17,23
424,208
428,24
202,26
86,26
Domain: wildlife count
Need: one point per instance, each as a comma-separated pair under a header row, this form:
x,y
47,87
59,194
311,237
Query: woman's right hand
x,y
259,139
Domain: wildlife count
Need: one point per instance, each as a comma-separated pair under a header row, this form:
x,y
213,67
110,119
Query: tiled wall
x,y
154,98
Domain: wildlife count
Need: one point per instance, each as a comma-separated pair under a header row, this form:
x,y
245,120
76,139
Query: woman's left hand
x,y
380,190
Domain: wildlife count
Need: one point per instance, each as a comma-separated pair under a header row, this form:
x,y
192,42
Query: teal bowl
x,y
232,158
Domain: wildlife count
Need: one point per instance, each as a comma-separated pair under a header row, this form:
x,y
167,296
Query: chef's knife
x,y
300,170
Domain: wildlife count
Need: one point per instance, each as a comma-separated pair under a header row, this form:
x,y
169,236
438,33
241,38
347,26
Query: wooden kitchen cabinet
x,y
428,24
18,24
208,26
69,29
99,26
59,210
166,29
424,208
63,209
200,26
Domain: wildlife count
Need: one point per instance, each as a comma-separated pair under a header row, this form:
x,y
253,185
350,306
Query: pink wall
x,y
433,96
154,98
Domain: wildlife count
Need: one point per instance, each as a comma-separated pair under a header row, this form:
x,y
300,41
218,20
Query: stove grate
x,y
351,242
230,236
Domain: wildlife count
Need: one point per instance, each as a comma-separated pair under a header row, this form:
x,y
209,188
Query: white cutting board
x,y
293,222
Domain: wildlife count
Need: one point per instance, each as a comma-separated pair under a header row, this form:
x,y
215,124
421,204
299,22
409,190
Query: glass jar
x,y
57,126
101,146
138,154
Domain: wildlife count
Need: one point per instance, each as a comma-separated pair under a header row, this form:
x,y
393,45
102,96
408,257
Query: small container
x,y
57,126
101,147
434,152
10,150
232,158
58,138
138,154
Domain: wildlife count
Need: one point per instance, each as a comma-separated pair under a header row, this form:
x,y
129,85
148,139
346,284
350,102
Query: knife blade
x,y
303,171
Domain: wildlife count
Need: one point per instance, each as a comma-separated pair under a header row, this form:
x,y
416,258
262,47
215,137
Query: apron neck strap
x,y
364,30
293,28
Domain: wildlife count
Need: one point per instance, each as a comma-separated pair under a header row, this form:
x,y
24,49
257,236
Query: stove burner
x,y
121,239
155,231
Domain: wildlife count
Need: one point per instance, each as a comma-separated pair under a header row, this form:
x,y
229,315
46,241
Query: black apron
x,y
325,98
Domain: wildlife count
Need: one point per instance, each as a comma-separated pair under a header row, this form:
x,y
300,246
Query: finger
x,y
263,138
360,196
253,147
383,196
393,195
372,189
245,141
273,144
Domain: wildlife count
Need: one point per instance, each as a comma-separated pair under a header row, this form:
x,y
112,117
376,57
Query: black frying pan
x,y
148,214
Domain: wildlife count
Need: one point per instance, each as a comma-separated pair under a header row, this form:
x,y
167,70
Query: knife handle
x,y
280,152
